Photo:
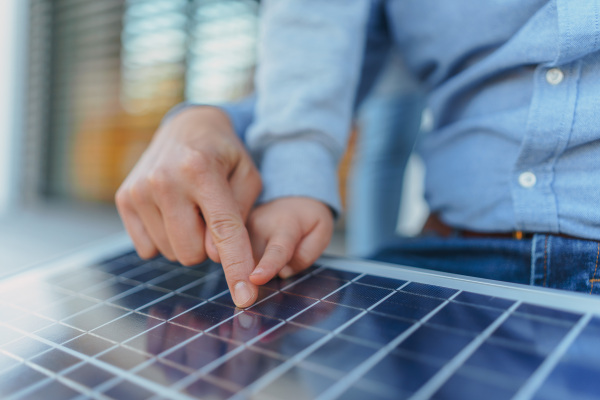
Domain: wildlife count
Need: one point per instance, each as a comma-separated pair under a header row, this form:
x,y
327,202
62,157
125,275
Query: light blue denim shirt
x,y
514,92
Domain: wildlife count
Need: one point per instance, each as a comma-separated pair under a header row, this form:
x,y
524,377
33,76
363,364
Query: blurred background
x,y
84,86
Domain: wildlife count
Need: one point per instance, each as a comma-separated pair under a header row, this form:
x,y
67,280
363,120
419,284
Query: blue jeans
x,y
545,260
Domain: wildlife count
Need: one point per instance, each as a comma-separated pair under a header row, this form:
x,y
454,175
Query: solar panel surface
x,y
133,329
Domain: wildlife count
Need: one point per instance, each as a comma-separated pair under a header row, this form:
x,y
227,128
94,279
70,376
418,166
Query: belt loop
x,y
518,235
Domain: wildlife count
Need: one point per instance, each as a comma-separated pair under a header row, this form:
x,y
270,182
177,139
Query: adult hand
x,y
190,194
288,235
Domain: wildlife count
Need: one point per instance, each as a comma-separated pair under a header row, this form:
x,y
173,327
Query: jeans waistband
x,y
435,225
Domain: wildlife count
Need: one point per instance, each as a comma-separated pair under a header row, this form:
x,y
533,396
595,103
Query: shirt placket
x,y
549,126
551,117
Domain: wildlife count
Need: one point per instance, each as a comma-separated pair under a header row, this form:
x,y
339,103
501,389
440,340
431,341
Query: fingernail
x,y
242,293
257,271
286,272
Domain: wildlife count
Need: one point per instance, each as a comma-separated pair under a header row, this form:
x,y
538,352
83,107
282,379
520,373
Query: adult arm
x,y
189,196
164,202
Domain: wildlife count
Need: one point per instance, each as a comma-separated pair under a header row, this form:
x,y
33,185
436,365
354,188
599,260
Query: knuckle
x,y
303,260
195,164
189,258
138,193
159,181
278,250
225,226
232,268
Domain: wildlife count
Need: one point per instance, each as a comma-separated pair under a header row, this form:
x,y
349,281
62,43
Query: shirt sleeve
x,y
310,54
240,113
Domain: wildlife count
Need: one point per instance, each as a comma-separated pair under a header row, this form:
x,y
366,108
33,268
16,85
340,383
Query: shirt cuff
x,y
300,168
240,114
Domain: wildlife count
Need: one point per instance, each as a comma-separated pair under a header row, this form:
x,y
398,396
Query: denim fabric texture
x,y
545,260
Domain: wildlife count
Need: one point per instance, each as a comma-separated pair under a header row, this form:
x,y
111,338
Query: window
x,y
103,73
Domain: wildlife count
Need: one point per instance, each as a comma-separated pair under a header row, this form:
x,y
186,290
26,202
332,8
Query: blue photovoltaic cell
x,y
56,360
559,315
585,349
359,296
515,364
288,340
246,367
341,355
435,343
200,352
89,375
571,381
376,329
208,287
282,306
316,287
461,387
134,329
465,317
414,373
53,390
539,336
407,305
299,382
18,378
128,390
327,316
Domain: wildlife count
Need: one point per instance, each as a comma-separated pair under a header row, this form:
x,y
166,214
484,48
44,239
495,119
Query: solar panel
x,y
125,328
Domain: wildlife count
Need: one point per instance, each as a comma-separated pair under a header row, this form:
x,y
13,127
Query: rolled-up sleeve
x,y
310,56
240,113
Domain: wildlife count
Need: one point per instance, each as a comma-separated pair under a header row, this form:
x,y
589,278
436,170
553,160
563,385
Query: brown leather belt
x,y
435,225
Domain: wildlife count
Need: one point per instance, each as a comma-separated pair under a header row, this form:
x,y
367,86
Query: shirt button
x,y
554,76
427,121
527,179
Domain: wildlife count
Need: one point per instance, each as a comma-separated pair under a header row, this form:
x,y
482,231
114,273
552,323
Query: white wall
x,y
13,50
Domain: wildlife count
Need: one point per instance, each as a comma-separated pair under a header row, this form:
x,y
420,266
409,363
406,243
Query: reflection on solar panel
x,y
133,329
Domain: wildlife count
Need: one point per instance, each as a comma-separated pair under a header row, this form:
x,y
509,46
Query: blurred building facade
x,y
103,73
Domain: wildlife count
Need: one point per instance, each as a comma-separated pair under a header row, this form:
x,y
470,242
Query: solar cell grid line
x,y
131,291
274,374
122,316
540,375
224,358
52,377
346,382
192,378
32,388
427,390
128,375
90,331
133,316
